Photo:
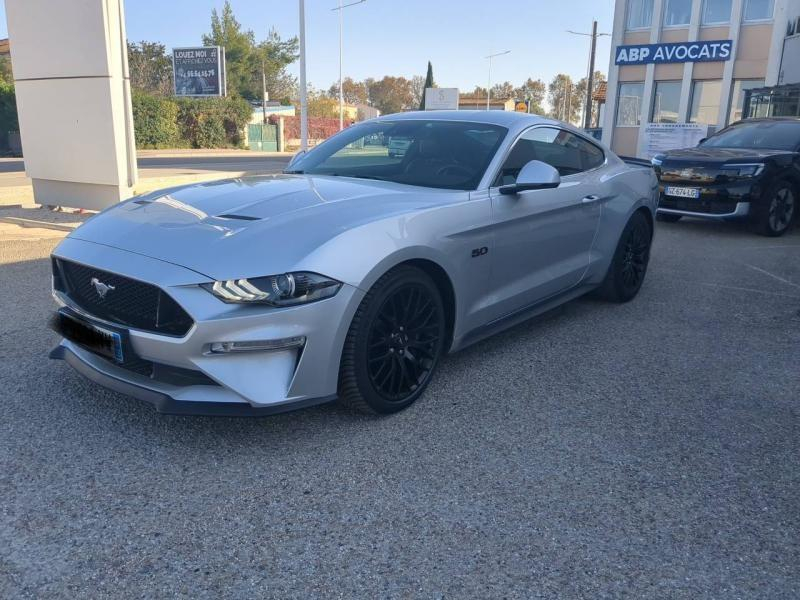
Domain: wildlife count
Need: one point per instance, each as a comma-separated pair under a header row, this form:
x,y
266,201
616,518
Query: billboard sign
x,y
680,52
441,98
199,71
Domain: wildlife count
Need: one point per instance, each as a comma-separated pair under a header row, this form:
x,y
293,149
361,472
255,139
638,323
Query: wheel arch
x,y
446,289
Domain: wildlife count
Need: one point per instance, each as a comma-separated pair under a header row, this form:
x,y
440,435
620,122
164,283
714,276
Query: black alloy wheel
x,y
394,343
629,264
778,210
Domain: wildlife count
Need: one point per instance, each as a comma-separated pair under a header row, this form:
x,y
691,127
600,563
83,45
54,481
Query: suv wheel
x,y
394,343
778,210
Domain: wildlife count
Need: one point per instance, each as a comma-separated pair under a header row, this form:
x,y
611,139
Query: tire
x,y
778,209
629,265
394,343
668,217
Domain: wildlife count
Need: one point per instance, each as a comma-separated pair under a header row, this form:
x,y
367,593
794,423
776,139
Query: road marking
x,y
743,289
781,279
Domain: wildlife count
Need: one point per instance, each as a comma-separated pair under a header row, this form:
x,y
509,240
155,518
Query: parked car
x,y
349,276
749,170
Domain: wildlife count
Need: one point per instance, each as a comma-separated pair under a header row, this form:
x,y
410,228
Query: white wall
x,y
73,96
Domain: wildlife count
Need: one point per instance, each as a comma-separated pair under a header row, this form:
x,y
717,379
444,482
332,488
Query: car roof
x,y
504,118
767,120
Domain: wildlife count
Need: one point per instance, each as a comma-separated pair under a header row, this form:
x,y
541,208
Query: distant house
x,y
473,102
273,108
5,47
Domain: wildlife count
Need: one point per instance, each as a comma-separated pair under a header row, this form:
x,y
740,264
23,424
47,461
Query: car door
x,y
543,238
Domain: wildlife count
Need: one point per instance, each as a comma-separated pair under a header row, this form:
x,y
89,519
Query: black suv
x,y
749,170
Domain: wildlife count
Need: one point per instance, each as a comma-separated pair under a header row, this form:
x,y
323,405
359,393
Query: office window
x,y
716,11
677,12
737,96
705,102
758,10
666,99
640,13
629,104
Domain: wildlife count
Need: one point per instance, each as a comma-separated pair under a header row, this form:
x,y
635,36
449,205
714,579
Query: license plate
x,y
87,335
682,192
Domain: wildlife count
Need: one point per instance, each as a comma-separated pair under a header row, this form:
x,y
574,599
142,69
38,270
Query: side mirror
x,y
295,158
535,175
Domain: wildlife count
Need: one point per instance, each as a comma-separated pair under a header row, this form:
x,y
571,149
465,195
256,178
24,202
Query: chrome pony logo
x,y
101,288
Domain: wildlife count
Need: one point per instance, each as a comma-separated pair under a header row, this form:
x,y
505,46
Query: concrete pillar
x,y
73,96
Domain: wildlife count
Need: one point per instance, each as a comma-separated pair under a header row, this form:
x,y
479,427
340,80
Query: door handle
x,y
590,199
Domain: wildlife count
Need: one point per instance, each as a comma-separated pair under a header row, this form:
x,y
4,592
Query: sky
x,y
399,37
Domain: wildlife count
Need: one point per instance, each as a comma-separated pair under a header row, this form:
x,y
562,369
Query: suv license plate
x,y
682,192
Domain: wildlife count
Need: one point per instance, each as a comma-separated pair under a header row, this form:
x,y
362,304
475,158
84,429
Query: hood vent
x,y
239,217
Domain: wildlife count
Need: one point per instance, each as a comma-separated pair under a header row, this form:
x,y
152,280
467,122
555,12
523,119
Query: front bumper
x,y
250,383
739,210
167,399
719,201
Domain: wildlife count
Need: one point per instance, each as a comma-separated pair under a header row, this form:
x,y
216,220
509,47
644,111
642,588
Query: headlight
x,y
749,170
288,289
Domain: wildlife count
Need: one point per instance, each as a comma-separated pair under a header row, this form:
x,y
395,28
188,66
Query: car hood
x,y
252,226
717,156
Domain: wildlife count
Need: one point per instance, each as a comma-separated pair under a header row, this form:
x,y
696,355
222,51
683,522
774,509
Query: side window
x,y
567,152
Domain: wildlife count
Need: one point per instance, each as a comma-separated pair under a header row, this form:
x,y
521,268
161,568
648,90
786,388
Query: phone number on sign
x,y
199,73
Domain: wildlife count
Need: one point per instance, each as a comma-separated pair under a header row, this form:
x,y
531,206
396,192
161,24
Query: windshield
x,y
438,154
764,135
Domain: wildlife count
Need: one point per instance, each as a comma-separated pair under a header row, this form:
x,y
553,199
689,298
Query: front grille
x,y
127,302
689,175
697,206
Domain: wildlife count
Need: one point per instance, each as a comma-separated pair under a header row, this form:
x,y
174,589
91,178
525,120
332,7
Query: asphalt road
x,y
648,450
12,170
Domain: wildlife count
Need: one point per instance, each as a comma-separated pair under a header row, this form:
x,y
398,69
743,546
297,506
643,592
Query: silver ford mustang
x,y
353,272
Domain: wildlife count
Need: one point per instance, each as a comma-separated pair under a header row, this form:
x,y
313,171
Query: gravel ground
x,y
648,450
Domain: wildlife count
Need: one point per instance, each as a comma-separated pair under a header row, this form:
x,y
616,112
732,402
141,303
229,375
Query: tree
x,y
271,57
391,94
6,76
429,83
503,91
580,90
322,105
246,60
150,68
417,89
355,92
239,46
565,104
534,91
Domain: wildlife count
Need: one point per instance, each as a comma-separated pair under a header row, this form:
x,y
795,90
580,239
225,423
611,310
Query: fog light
x,y
257,345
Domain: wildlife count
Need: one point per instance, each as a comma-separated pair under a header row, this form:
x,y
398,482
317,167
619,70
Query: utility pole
x,y
264,94
341,8
489,86
587,115
303,91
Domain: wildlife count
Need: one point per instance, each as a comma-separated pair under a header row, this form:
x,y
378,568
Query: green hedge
x,y
8,111
155,121
189,122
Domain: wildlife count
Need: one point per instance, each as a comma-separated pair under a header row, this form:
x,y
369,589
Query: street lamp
x,y
489,87
303,91
341,8
587,115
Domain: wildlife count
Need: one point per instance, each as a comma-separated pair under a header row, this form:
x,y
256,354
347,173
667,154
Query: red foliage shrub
x,y
319,128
